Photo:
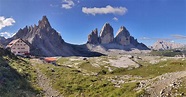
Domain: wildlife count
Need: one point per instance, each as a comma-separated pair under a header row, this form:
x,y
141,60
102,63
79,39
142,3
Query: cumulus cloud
x,y
67,4
105,10
6,34
4,22
115,19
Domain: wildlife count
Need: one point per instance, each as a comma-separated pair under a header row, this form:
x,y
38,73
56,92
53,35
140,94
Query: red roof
x,y
50,59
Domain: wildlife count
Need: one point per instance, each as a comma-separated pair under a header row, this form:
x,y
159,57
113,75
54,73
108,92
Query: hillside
x,y
17,77
110,76
113,76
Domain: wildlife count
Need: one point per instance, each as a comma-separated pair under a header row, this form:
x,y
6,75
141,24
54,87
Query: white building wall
x,y
20,48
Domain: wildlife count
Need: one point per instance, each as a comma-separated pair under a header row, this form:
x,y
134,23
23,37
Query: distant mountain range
x,y
46,41
166,45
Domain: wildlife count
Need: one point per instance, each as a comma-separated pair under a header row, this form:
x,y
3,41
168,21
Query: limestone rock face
x,y
133,41
106,34
93,37
166,45
123,39
123,36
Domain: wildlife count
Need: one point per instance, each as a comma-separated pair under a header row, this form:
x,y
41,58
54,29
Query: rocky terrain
x,y
166,45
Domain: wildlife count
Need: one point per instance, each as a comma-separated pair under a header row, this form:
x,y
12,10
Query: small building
x,y
19,47
50,59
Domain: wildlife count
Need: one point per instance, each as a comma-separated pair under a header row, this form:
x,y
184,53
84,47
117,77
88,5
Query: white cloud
x,y
105,10
67,4
177,36
115,19
145,38
4,22
6,34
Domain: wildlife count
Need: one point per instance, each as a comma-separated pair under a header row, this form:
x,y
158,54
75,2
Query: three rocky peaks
x,y
106,36
46,41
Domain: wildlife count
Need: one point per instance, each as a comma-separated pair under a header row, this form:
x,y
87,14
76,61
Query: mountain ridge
x,y
166,45
46,41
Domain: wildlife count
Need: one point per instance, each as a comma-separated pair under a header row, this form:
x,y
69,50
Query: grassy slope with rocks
x,y
150,71
17,77
79,81
79,76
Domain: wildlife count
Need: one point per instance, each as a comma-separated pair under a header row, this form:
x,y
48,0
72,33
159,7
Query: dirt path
x,y
162,85
45,83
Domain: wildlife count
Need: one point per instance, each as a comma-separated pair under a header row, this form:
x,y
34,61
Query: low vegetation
x,y
182,89
17,77
72,82
82,77
150,71
167,53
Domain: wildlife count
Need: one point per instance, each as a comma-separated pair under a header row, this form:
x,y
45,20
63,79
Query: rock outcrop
x,y
93,37
106,34
166,45
123,39
123,36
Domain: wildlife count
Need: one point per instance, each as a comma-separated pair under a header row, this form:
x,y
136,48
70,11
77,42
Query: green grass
x,y
150,71
62,60
168,53
71,82
17,77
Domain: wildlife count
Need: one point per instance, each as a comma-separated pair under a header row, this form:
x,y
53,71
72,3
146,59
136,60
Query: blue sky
x,y
146,20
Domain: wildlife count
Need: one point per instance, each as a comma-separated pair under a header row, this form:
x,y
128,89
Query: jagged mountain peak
x,y
93,37
123,32
106,34
44,23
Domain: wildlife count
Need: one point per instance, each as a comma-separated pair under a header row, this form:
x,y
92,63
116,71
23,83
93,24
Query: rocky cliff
x,y
123,36
106,34
93,37
122,40
166,45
